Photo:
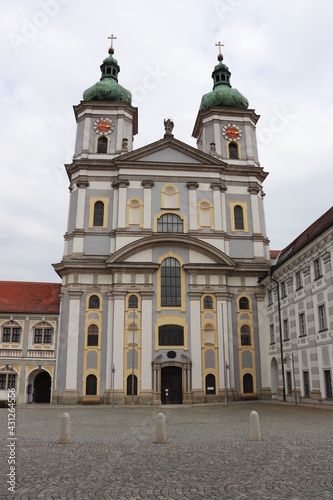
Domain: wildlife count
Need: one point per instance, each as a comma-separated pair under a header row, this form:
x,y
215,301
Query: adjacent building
x,y
299,313
29,316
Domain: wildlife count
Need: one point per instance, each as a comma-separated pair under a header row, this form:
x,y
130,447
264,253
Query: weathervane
x,y
220,56
112,37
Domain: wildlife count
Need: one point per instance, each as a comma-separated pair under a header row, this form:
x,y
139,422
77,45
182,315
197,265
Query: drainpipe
x,y
280,330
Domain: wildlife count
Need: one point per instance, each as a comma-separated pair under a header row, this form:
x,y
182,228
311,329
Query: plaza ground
x,y
208,454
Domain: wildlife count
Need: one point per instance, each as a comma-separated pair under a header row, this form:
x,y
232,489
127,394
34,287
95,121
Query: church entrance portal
x,y
42,386
171,385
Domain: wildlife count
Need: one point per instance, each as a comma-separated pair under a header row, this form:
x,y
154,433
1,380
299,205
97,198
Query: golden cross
x,y
219,45
112,37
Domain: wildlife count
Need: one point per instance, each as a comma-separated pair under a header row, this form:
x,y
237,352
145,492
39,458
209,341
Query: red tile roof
x,y
274,253
29,297
316,228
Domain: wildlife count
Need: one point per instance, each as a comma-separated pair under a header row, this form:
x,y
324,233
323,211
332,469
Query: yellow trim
x,y
208,317
92,201
170,211
249,348
97,349
159,307
176,195
211,214
171,319
238,148
128,342
243,205
140,208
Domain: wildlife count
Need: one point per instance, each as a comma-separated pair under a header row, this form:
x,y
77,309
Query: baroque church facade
x,y
161,300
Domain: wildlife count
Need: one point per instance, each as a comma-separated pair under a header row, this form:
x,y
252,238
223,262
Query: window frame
x,y
10,332
178,221
243,205
299,280
317,268
271,334
283,287
92,201
302,324
285,329
322,317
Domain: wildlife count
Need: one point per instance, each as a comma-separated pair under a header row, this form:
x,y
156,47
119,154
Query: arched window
x,y
244,303
132,301
208,302
233,151
170,283
245,335
210,384
130,386
238,216
93,302
102,145
98,213
91,385
92,335
170,223
170,335
247,383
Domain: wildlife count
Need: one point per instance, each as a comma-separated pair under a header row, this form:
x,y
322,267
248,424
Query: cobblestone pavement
x,y
208,454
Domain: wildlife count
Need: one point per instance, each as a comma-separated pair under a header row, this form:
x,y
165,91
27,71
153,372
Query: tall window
x,y
210,384
239,218
299,280
302,326
317,268
92,335
170,283
11,334
7,380
91,385
98,213
270,297
170,223
285,329
233,151
248,383
271,334
94,302
102,145
245,335
208,302
289,384
132,301
171,335
328,384
130,385
244,303
322,317
283,289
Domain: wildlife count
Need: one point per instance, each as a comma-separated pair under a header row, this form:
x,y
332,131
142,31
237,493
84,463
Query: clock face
x,y
231,132
104,126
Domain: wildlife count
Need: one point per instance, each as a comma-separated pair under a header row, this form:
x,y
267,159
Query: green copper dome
x,y
223,94
108,88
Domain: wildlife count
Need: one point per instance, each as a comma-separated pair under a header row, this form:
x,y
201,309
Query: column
x,y
122,203
224,341
78,240
71,394
109,351
196,351
118,346
147,185
146,394
192,186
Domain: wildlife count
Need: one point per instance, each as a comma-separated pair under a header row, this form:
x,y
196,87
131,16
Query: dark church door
x,y
42,386
171,385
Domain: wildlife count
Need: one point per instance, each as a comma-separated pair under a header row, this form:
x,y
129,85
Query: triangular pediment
x,y
171,151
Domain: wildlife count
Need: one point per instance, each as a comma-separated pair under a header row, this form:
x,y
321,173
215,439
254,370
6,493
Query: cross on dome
x,y
219,45
112,37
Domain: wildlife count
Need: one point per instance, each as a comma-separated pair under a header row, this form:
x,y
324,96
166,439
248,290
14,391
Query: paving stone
x,y
208,453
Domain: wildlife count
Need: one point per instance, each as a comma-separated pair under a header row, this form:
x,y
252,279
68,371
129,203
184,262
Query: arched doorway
x,y
171,385
42,387
247,383
274,378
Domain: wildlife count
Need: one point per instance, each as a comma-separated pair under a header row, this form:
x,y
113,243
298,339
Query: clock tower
x,y
106,120
225,127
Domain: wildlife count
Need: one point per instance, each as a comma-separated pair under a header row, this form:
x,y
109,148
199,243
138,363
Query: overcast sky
x,y
280,57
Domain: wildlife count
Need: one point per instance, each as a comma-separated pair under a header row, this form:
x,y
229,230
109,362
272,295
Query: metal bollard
x,y
160,429
65,429
254,426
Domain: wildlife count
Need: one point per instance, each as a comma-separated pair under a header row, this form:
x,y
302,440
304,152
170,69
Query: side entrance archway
x,y
172,380
42,387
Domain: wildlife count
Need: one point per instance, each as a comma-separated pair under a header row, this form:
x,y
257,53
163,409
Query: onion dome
x,y
223,94
108,88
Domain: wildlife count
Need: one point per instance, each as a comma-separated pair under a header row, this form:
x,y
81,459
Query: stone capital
x,y
147,183
192,185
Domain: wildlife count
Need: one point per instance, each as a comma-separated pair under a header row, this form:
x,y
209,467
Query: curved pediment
x,y
168,241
